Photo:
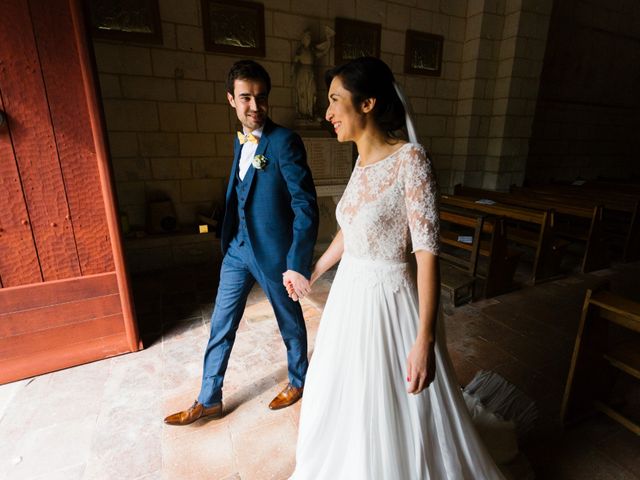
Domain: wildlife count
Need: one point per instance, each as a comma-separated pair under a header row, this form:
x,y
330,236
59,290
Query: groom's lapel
x,y
262,147
234,168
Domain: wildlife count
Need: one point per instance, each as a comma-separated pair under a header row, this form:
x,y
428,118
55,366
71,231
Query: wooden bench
x,y
597,352
575,222
619,208
532,228
614,186
488,242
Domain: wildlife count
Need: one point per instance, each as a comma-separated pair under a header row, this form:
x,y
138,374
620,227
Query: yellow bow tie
x,y
249,137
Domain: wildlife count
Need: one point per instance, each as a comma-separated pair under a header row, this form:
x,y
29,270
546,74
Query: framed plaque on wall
x,y
356,39
129,20
233,27
423,53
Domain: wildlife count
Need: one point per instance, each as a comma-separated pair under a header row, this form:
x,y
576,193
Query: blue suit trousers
x,y
238,274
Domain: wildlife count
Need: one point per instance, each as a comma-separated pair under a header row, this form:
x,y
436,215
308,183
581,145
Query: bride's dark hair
x,y
369,77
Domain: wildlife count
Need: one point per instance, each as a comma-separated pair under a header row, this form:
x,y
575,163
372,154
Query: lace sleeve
x,y
421,201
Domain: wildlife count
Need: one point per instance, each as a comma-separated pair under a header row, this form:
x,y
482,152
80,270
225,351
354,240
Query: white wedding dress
x,y
357,420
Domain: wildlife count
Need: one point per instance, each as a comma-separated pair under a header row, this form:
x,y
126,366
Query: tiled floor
x,y
104,420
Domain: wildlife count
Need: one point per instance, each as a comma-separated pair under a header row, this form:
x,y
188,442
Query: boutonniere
x,y
259,162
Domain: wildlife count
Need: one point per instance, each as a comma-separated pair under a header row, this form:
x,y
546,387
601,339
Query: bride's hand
x,y
314,276
421,367
296,284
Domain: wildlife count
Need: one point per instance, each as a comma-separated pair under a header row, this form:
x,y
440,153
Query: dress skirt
x,y
357,420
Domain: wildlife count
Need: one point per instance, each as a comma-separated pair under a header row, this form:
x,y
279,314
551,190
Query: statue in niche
x,y
304,72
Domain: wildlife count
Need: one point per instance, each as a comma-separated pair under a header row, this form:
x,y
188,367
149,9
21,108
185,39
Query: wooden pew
x,y
598,351
595,254
615,203
614,186
548,250
458,267
489,243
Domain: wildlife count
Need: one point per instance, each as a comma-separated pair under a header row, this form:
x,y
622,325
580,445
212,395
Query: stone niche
x,y
157,252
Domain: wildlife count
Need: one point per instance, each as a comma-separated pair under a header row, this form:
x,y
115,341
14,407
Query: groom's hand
x,y
290,291
296,284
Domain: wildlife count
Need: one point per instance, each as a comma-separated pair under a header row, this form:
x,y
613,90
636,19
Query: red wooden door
x,y
64,297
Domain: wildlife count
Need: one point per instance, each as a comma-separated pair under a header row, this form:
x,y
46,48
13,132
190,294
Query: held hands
x,y
296,284
421,366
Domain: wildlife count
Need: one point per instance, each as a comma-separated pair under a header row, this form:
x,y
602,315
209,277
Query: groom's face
x,y
251,102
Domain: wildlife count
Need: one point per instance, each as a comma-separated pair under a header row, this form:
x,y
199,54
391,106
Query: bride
x,y
381,400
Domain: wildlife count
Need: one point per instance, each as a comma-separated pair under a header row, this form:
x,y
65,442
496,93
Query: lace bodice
x,y
390,207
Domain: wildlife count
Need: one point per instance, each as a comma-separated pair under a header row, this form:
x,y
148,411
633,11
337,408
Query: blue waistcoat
x,y
275,207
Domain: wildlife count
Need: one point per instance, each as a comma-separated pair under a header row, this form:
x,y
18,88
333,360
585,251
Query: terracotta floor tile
x,y
19,413
524,377
8,392
480,352
133,452
578,460
75,472
623,448
67,444
465,370
176,313
262,459
185,329
203,451
111,411
294,412
251,413
157,475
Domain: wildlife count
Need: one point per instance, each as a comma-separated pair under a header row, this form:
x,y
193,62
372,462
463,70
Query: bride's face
x,y
347,121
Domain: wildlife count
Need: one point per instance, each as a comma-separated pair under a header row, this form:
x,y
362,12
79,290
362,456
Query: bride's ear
x,y
368,104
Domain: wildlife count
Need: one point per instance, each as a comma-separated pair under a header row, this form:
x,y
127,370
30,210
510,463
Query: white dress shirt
x,y
247,153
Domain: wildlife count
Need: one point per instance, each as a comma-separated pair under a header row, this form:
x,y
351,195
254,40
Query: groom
x,y
269,231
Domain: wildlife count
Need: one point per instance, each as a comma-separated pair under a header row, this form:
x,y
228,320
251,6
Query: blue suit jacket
x,y
281,210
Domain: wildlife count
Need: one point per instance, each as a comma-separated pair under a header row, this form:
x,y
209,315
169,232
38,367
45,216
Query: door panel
x,y
25,101
18,257
64,296
68,108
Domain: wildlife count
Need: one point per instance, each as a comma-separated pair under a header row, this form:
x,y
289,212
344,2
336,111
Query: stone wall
x,y
502,59
170,128
586,123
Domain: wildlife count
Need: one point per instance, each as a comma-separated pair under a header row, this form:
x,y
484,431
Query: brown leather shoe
x,y
286,397
195,412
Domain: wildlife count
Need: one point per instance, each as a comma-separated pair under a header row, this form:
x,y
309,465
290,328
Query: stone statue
x,y
304,72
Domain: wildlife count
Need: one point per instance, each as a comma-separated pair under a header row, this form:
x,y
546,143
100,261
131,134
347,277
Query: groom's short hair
x,y
247,70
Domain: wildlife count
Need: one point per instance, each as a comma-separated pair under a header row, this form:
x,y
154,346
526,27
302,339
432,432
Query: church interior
x,y
116,142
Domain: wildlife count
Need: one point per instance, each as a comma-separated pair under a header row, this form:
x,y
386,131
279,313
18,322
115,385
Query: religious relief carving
x,y
356,39
304,63
423,53
331,164
233,27
129,20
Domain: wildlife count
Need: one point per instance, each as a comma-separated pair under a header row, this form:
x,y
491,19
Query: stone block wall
x,y
502,60
587,117
171,130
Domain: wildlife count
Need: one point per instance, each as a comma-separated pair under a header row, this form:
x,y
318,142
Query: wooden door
x,y
64,297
